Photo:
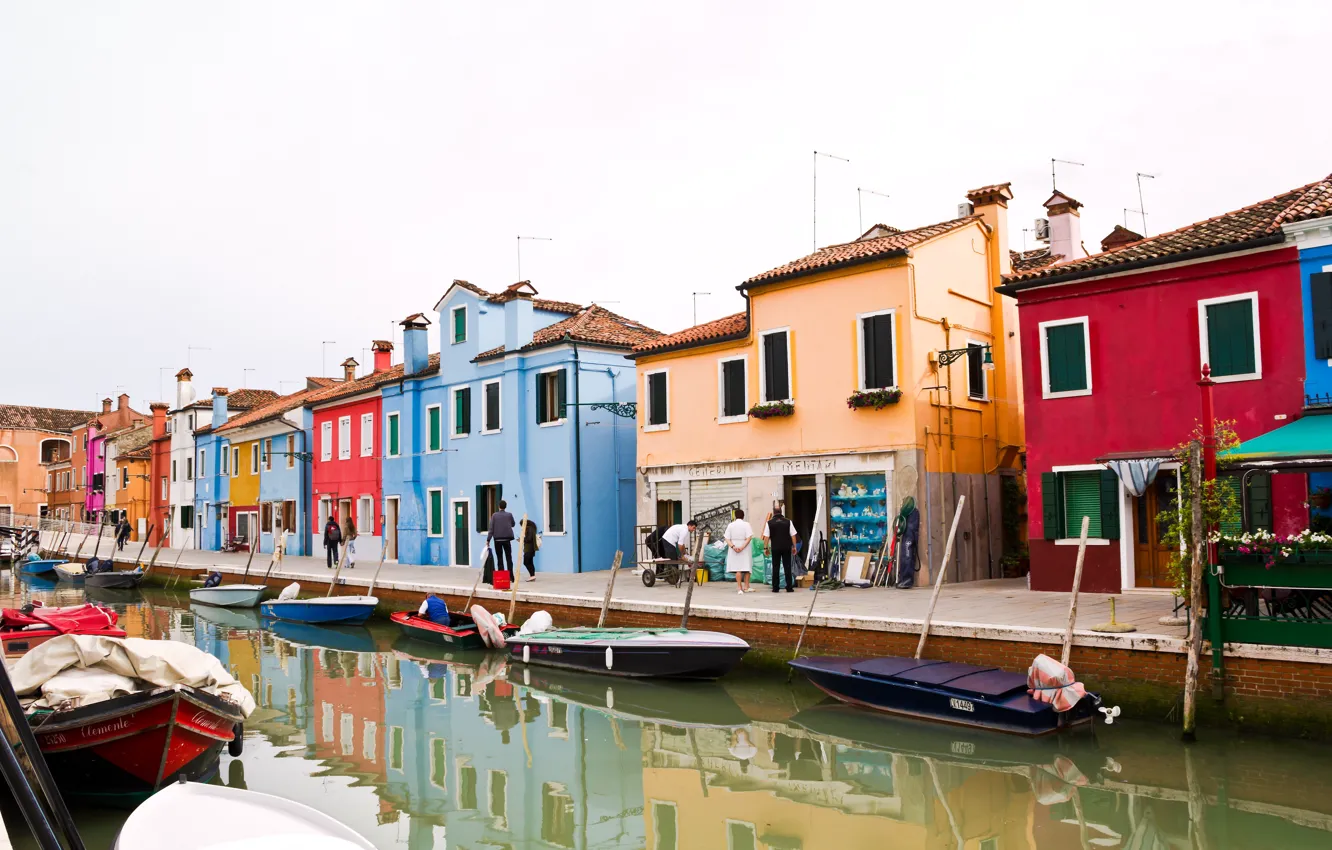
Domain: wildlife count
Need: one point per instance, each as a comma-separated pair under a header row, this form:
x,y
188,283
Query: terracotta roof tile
x,y
346,389
594,325
1036,258
514,290
263,413
132,440
22,417
860,251
1260,221
727,327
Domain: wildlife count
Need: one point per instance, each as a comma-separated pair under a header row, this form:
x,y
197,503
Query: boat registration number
x,y
961,704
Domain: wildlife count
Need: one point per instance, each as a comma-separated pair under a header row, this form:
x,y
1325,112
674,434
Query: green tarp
x,y
1307,438
715,558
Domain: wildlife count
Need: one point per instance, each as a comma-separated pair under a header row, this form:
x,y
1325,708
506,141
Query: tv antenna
x,y
323,356
1142,208
818,154
520,249
1054,187
696,294
860,212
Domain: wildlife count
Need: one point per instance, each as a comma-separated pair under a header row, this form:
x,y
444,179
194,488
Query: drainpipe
x,y
615,448
578,464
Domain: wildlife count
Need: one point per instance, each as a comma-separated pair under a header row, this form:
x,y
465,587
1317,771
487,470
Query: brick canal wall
x,y
1261,692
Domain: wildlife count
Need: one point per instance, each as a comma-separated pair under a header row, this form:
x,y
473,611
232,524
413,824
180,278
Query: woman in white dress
x,y
739,555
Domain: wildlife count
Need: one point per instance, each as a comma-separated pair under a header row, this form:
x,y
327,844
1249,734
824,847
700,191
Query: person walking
x,y
332,539
531,543
122,533
501,532
739,556
780,536
349,535
675,541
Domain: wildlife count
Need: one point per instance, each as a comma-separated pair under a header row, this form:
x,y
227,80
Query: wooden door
x,y
1151,558
391,529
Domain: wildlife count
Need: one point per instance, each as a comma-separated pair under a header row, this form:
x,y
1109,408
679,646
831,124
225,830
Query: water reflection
x,y
419,747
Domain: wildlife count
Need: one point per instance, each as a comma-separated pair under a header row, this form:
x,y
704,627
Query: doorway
x,y
344,510
391,528
247,526
462,547
802,505
1151,557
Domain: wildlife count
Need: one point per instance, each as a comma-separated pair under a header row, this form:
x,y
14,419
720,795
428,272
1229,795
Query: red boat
x,y
23,628
121,750
461,633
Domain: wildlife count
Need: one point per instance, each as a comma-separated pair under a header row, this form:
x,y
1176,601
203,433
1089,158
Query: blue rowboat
x,y
328,609
42,567
943,692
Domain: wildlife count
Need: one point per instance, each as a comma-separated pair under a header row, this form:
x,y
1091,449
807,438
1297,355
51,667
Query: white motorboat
x,y
194,816
229,595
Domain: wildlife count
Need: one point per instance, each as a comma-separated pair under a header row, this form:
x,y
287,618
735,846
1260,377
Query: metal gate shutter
x,y
670,491
705,496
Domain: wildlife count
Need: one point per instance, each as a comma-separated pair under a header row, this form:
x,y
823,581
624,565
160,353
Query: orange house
x,y
857,376
32,439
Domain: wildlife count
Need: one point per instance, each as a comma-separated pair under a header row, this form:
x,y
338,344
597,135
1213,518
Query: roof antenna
x,y
859,207
1142,208
818,154
520,250
1054,187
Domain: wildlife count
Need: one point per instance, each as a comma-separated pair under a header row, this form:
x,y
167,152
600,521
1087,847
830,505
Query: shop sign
x,y
715,470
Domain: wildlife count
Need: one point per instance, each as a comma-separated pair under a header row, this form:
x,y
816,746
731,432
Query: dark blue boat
x,y
944,692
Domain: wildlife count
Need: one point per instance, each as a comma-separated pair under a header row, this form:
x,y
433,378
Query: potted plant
x,y
770,409
1321,498
877,399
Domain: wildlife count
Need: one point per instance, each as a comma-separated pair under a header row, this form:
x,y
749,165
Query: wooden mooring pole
x,y
1073,596
610,585
1197,557
693,579
943,574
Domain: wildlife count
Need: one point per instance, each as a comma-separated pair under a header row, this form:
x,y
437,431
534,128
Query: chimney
x,y
415,343
136,422
349,369
1065,227
991,204
106,405
519,321
1119,237
219,406
184,388
159,409
122,401
383,350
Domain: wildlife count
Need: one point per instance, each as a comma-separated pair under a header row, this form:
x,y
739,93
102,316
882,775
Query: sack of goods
x,y
539,622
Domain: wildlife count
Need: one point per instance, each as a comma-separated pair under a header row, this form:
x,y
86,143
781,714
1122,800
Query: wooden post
x,y
513,579
156,551
943,574
1073,597
610,585
79,551
467,606
383,553
693,579
1197,549
138,559
179,552
338,571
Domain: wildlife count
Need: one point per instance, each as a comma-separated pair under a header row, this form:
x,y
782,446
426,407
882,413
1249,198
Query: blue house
x,y
1314,240
532,403
212,483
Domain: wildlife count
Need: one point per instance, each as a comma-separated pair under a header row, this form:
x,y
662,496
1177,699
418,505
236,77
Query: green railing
x,y
1286,604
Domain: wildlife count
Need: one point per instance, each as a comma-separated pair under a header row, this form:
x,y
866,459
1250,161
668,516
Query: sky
x,y
252,179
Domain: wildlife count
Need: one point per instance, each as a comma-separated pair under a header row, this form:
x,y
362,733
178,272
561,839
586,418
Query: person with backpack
x,y
349,534
332,539
531,543
780,536
501,532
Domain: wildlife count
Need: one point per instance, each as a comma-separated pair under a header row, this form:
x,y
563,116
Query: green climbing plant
x,y
1220,505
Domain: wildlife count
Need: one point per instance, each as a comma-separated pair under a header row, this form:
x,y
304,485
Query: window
x,y
1228,331
289,515
173,471
396,745
466,786
1066,497
439,763
559,816
223,457
433,435
741,836
369,736
326,441
551,389
394,436
459,315
189,469
732,391
462,412
367,434
266,515
656,395
976,388
1256,506
1065,358
164,488
435,498
187,516
202,467
365,515
498,781
291,451
775,366
268,454
554,502
490,395
344,438
254,458
190,420
487,502
235,461
124,478
1320,305
665,826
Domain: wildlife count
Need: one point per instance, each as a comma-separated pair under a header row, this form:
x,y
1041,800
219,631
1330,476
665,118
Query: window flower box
x,y
771,409
877,399
1260,558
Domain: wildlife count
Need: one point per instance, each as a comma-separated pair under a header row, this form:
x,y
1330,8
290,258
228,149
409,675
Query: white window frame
x,y
790,370
201,470
735,822
545,507
189,467
1045,355
499,426
453,323
326,440
344,437
235,461
254,458
362,501
268,454
985,373
443,507
647,400
541,376
860,349
164,488
390,418
1203,304
467,529
124,478
453,413
367,434
1091,541
443,424
722,418
224,459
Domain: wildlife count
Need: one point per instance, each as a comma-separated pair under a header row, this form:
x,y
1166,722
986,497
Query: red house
x,y
1112,349
159,486
347,469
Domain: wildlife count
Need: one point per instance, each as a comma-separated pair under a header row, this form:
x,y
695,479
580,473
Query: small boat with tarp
x,y
103,573
460,632
21,629
73,573
324,610
241,595
34,566
633,652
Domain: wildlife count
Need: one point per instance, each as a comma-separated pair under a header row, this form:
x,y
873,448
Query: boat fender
x,y
610,698
527,677
527,653
1110,713
236,745
610,658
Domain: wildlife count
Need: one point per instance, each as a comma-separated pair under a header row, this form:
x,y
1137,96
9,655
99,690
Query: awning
x,y
1304,443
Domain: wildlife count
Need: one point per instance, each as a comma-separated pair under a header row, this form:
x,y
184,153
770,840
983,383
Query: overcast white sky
x,y
257,177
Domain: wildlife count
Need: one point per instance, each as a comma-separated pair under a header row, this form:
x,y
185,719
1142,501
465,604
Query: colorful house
x,y
528,407
32,440
95,446
761,407
128,465
1113,347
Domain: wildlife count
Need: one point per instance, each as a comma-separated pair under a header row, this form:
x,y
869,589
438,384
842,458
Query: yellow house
x,y
765,406
243,466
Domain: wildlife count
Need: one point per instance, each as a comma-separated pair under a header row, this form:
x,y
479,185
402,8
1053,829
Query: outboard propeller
x,y
1110,713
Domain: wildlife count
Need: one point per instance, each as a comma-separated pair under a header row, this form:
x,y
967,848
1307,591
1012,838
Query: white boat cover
x,y
76,670
291,591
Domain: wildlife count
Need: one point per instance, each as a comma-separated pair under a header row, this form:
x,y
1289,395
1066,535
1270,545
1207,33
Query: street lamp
x,y
949,356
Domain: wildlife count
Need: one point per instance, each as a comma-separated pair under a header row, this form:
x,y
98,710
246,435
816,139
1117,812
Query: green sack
x,y
715,560
761,562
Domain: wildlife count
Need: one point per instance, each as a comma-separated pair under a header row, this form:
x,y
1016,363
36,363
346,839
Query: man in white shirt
x,y
676,541
739,556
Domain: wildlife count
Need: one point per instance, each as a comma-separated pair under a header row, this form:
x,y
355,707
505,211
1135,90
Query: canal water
x,y
416,749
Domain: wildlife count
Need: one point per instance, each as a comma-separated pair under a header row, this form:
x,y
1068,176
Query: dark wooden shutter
x,y
975,371
540,398
733,388
1260,501
1320,291
776,379
1052,513
555,506
878,353
492,407
1230,343
1109,505
657,399
482,509
561,393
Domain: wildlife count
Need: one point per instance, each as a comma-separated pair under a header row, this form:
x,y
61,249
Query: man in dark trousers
x,y
332,537
122,533
501,532
530,542
780,535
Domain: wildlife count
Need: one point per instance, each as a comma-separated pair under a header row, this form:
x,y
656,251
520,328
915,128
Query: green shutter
x,y
436,512
540,398
1109,505
459,325
1082,497
1260,501
1230,344
434,429
393,436
1231,484
1066,358
462,410
561,393
1050,502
